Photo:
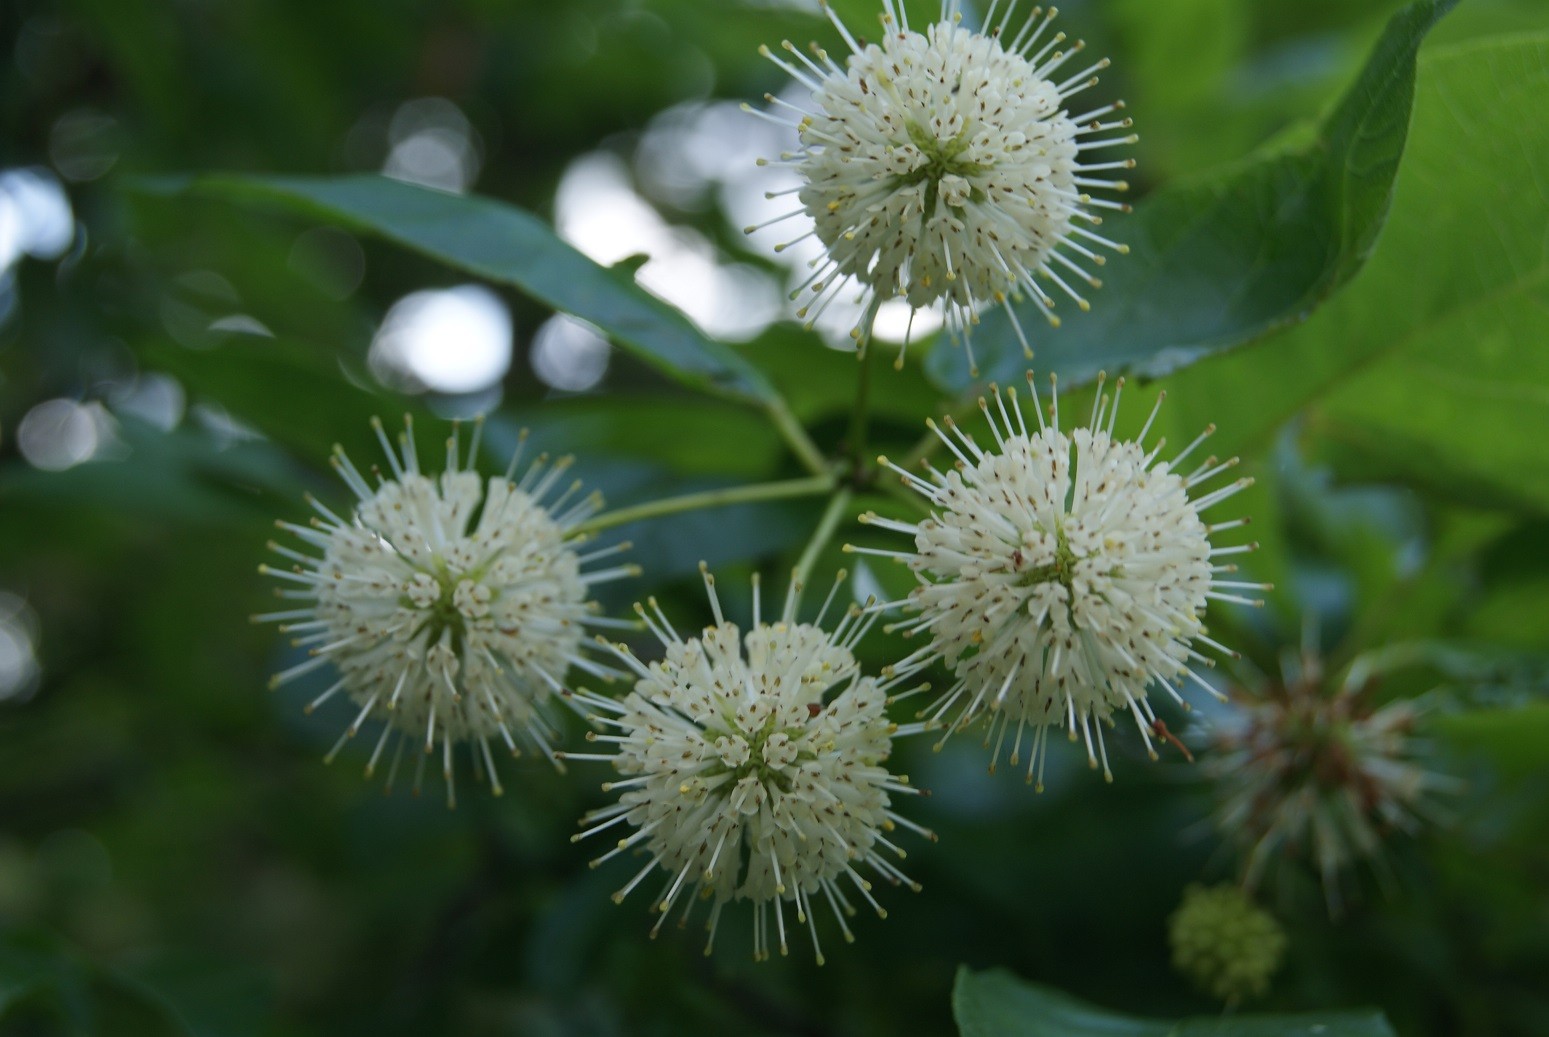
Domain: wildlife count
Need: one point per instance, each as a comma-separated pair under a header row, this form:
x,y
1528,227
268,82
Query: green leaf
x,y
1452,387
183,476
213,998
1515,740
1222,260
997,1004
1299,1024
505,245
1428,365
818,383
45,988
247,374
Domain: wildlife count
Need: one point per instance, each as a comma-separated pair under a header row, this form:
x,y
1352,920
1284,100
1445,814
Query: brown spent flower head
x,y
1310,769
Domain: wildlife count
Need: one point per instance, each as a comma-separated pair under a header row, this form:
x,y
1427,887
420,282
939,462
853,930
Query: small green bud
x,y
1224,944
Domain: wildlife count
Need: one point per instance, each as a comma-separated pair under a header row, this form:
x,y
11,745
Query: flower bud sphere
x,y
1061,573
752,768
945,166
1225,945
451,606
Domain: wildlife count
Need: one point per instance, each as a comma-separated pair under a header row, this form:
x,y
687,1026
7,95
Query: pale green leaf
x,y
1224,259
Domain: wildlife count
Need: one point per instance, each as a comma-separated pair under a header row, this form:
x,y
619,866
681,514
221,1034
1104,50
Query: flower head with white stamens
x,y
752,767
945,166
1062,573
451,606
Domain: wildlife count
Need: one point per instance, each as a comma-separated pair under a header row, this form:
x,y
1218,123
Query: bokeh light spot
x,y
19,670
569,354
598,211
35,216
432,143
450,340
60,434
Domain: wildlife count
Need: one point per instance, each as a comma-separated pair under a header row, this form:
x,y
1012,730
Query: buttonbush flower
x,y
451,607
945,166
1306,768
1223,944
1062,573
752,767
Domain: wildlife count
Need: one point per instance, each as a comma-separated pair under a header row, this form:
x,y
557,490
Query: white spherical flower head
x,y
752,768
1308,768
1062,573
451,606
945,166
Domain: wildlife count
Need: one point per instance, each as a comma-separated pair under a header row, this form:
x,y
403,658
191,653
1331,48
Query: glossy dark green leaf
x,y
997,1004
1222,260
506,245
308,400
298,395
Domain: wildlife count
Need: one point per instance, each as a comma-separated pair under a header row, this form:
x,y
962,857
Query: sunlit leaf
x,y
1431,363
1221,260
1452,386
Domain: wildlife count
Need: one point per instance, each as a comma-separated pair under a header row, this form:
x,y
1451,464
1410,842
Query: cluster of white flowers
x,y
945,166
752,768
452,607
1062,573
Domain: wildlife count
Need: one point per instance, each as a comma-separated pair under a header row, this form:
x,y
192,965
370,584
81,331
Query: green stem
x,y
798,440
860,414
820,538
809,487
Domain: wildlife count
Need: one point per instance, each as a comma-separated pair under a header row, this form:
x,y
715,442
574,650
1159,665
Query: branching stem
x,y
813,486
820,537
860,414
797,439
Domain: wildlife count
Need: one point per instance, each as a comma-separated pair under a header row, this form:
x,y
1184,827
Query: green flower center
x,y
942,159
773,753
443,614
1062,570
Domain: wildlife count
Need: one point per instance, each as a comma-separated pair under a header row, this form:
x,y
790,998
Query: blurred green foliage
x,y
175,859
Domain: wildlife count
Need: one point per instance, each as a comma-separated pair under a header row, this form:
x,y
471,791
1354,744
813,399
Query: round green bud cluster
x,y
1223,943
